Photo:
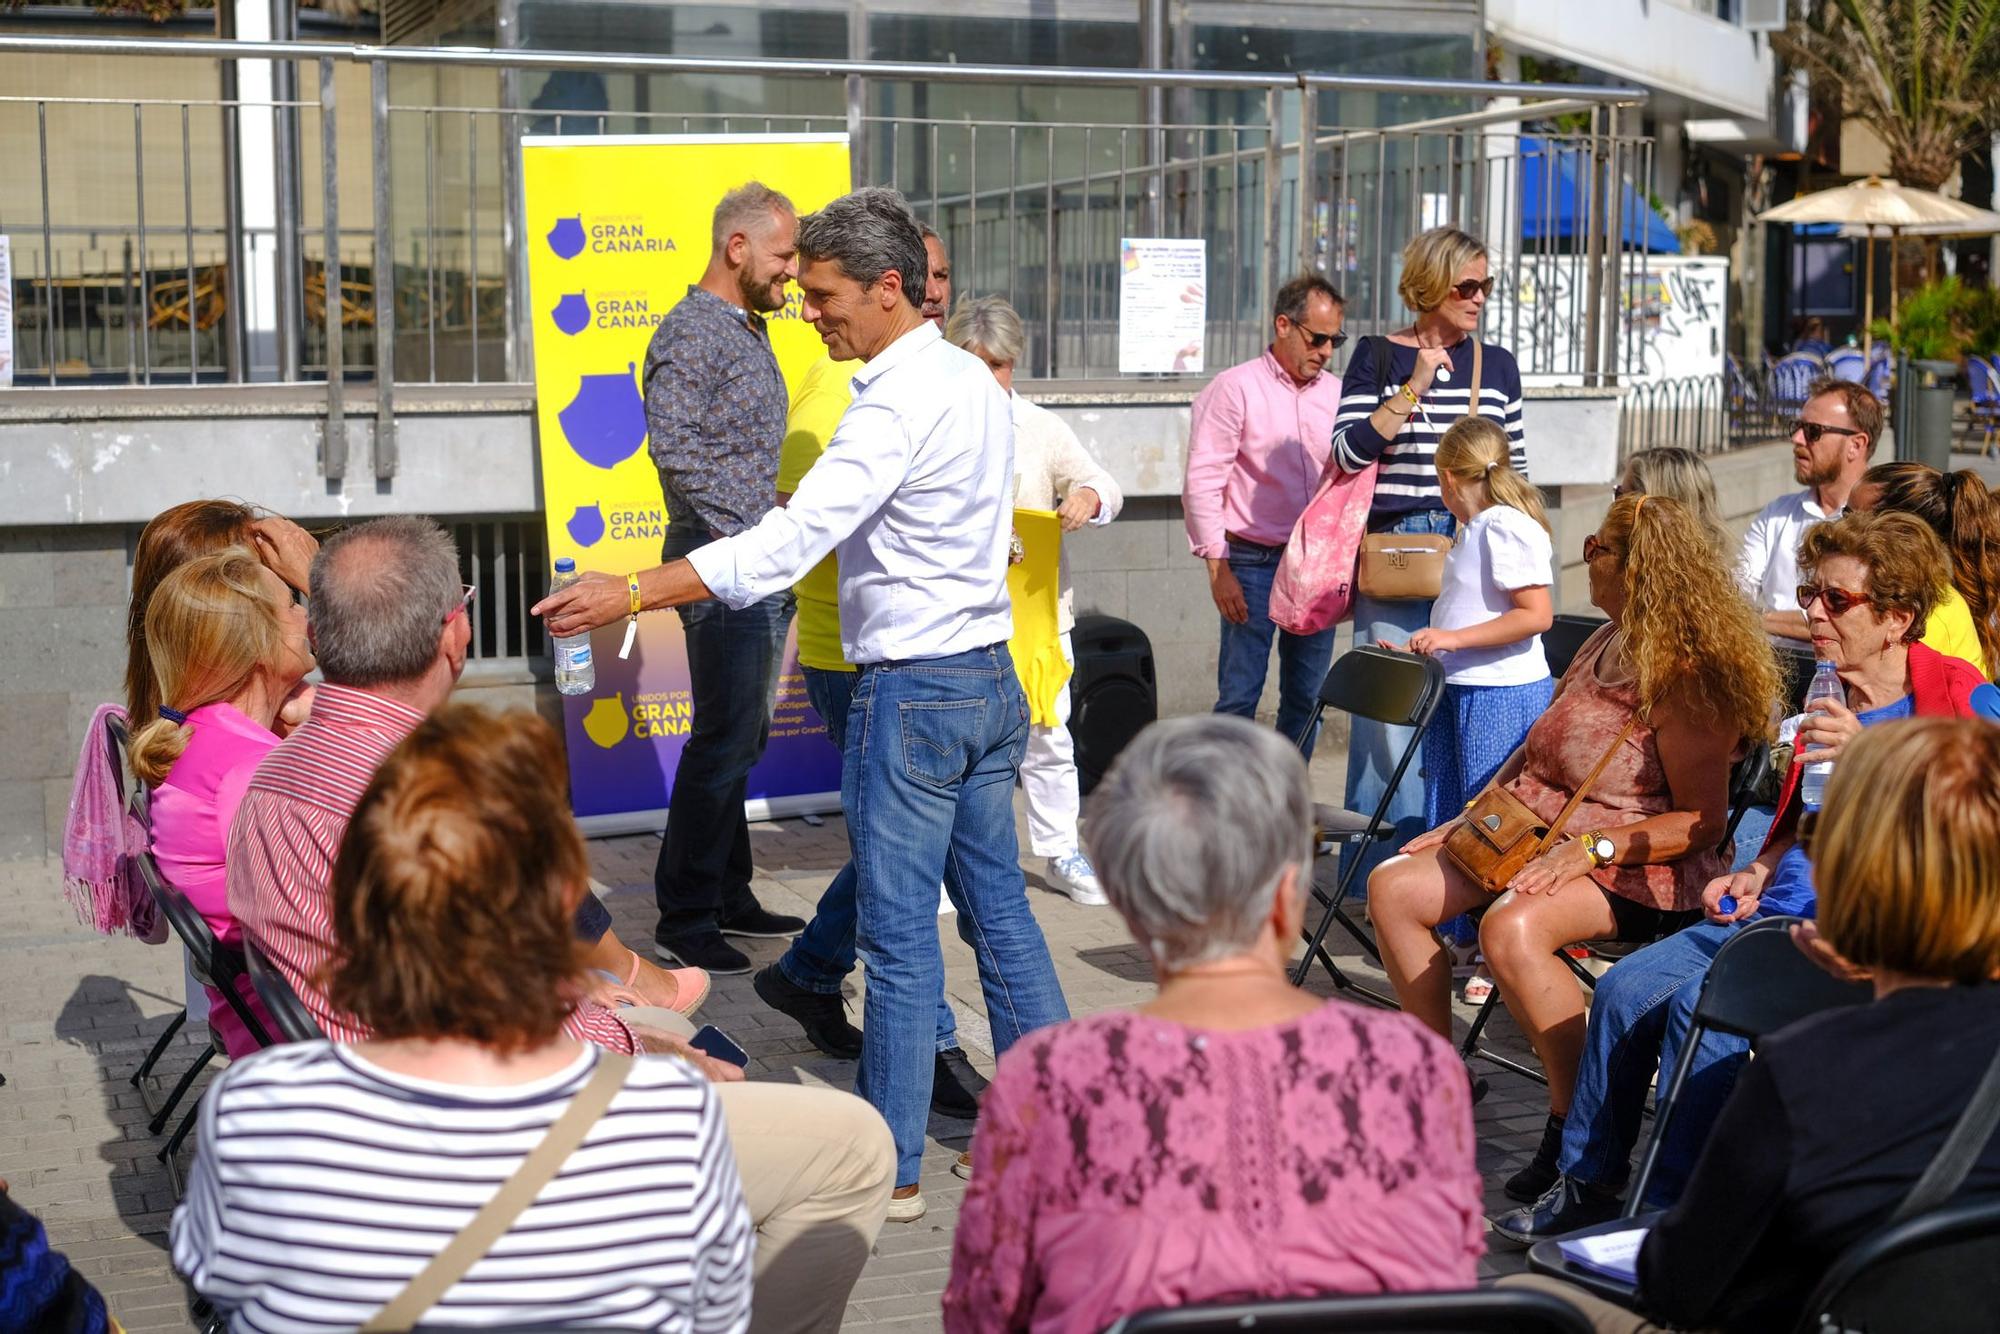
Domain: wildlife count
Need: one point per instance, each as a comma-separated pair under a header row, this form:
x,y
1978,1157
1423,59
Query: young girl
x,y
1486,625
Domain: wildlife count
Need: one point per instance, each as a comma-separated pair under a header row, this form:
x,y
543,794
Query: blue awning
x,y
1552,211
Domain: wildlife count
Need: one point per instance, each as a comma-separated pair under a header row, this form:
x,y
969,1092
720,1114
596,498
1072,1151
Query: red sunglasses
x,y
1838,600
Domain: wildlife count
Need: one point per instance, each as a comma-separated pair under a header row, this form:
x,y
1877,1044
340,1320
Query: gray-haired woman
x,y
1233,1135
1052,471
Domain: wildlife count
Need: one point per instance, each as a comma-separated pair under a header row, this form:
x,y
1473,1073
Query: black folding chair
x,y
1937,1273
1402,690
217,965
1488,1311
294,1020
1743,779
1795,668
1758,983
1565,638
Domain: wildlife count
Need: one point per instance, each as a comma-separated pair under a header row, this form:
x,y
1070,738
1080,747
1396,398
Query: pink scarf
x,y
101,841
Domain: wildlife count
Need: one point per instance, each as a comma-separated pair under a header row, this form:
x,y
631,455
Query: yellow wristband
x,y
1411,394
632,587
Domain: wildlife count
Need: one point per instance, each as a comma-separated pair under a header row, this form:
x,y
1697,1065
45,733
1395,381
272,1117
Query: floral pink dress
x,y
1124,1162
1566,743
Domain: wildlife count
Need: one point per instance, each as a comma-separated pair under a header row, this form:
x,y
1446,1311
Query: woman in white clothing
x,y
1052,471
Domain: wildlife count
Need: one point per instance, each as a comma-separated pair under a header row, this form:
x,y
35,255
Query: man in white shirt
x,y
915,493
1831,441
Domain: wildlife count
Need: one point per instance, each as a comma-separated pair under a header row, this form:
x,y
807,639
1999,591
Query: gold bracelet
x,y
632,587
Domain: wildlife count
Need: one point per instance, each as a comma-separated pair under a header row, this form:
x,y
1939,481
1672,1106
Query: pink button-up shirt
x,y
1257,444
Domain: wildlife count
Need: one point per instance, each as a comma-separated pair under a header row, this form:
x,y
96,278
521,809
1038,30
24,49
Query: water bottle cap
x,y
564,565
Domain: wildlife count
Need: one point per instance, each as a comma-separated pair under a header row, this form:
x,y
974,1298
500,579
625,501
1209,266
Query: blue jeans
x,y
1751,831
1373,748
733,657
1245,656
1640,1016
823,954
933,750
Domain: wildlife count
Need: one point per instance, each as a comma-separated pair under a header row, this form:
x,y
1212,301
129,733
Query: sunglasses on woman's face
x,y
1471,287
1595,546
1838,600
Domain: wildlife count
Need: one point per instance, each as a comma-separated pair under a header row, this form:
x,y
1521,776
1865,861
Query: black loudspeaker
x,y
1112,693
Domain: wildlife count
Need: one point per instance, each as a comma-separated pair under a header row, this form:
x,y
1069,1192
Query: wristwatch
x,y
1597,847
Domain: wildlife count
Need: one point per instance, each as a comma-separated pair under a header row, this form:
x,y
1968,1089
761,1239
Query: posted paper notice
x,y
1162,305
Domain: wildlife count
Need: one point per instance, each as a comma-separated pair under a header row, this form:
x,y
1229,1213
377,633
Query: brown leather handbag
x,y
1500,834
1409,567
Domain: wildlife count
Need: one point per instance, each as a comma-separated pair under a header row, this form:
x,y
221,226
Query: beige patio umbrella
x,y
1874,203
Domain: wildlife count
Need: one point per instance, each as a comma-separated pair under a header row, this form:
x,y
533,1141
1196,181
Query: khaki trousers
x,y
1606,1317
818,1165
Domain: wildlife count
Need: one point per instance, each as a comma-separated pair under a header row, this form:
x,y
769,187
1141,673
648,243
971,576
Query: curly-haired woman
x,y
1966,517
1871,583
1670,688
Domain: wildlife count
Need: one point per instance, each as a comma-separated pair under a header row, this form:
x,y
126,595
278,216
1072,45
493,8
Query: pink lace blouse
x,y
1124,1162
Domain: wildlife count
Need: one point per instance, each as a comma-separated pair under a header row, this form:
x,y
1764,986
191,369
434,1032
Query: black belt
x,y
1242,541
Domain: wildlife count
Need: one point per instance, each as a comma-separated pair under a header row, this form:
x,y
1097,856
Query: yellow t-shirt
x,y
816,410
1950,631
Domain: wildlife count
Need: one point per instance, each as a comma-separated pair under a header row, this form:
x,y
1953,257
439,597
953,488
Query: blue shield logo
x,y
605,423
572,313
566,237
586,525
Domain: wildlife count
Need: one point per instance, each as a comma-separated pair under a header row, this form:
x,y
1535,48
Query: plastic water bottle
x,y
575,673
1825,685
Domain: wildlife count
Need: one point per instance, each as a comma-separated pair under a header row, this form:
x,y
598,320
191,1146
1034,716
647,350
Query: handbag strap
x,y
1960,1150
1478,363
1569,807
516,1193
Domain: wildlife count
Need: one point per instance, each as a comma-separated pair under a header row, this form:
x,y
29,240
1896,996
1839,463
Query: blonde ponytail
x,y
1477,453
210,626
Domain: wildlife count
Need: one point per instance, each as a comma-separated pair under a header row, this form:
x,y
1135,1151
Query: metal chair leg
x,y
159,1046
159,1121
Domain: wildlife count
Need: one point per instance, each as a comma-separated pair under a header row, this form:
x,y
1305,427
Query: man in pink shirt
x,y
1257,445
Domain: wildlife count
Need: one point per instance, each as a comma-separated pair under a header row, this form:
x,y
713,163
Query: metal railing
x,y
1708,413
420,278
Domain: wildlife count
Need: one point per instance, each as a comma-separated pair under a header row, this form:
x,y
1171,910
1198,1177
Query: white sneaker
x,y
908,1209
1074,874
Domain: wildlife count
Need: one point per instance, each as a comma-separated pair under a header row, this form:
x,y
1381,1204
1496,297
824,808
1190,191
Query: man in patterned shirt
x,y
715,415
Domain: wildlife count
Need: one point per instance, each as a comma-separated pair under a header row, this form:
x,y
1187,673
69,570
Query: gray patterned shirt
x,y
715,413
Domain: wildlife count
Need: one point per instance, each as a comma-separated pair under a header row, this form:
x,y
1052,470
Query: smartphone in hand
x,y
712,1041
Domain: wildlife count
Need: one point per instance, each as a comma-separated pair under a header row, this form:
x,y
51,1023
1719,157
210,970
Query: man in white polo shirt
x,y
1831,443
915,494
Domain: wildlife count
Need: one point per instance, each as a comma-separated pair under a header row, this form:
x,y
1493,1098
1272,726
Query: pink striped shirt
x,y
287,833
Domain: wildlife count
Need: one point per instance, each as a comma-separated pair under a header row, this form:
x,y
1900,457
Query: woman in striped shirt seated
x,y
329,1175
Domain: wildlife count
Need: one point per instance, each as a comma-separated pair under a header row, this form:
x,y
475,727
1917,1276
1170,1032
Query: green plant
x,y
1935,322
1982,318
1920,73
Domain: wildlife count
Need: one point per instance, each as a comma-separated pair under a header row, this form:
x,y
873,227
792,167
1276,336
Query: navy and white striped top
x,y
1408,480
323,1183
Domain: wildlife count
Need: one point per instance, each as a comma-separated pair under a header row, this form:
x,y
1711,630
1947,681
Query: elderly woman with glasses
x,y
1232,1136
1640,734
1398,396
1870,583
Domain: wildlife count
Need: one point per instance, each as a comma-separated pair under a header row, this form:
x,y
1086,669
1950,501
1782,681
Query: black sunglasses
x,y
1464,291
1838,600
1316,341
1812,431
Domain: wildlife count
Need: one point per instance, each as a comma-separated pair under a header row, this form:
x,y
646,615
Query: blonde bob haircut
x,y
1907,851
211,625
1477,455
1431,262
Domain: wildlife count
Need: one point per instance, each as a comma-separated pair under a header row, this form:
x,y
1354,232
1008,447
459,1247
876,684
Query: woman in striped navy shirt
x,y
329,1174
1398,395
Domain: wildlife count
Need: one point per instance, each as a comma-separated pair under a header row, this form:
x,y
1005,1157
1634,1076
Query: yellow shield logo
x,y
606,723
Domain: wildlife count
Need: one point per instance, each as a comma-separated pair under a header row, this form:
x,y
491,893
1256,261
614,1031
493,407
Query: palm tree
x,y
1920,73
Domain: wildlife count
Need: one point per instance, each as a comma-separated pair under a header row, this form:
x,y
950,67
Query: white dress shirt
x,y
1049,463
915,493
1767,569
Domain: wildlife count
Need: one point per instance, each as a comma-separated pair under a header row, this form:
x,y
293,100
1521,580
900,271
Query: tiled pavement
x,y
78,1012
